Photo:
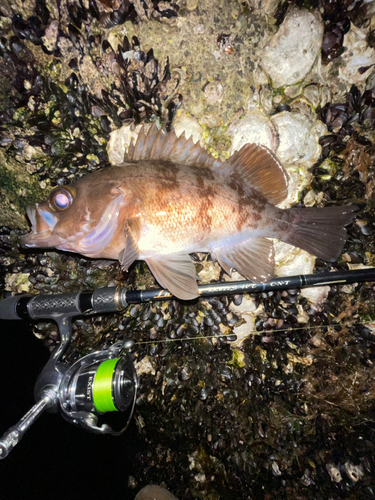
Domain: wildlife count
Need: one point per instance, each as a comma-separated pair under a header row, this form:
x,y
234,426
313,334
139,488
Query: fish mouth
x,y
37,240
41,234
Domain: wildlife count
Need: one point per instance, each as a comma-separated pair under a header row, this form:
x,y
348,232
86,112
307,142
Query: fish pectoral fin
x,y
176,273
254,259
130,252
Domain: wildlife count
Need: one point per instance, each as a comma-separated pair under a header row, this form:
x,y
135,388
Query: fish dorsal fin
x,y
166,146
258,166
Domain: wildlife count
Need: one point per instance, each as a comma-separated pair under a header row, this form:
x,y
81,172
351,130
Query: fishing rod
x,y
106,381
114,299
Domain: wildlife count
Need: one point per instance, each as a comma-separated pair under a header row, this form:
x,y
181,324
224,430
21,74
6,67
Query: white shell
x,y
292,51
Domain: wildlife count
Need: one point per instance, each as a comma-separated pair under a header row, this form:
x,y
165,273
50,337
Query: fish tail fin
x,y
320,231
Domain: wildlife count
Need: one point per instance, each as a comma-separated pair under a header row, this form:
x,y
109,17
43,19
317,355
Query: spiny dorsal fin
x,y
160,145
259,167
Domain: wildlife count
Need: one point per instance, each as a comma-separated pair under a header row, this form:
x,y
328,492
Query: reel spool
x,y
98,383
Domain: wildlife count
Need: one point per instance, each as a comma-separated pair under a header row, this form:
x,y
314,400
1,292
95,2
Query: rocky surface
x,y
255,396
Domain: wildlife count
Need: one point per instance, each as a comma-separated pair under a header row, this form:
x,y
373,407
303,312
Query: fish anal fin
x,y
258,166
130,252
176,273
166,146
254,259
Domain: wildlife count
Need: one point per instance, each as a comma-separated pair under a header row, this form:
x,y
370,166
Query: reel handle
x,y
13,435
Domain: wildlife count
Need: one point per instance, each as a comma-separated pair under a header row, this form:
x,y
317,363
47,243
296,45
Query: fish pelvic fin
x,y
254,259
176,273
166,146
130,252
258,166
320,231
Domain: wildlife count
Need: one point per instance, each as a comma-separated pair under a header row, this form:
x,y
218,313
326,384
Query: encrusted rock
x,y
256,128
119,143
298,143
268,7
359,57
292,51
292,261
188,124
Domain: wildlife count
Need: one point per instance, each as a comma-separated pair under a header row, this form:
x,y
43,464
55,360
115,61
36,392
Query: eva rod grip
x,y
108,299
48,306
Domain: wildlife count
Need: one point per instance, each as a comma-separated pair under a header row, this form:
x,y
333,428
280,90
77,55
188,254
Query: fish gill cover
x,y
287,412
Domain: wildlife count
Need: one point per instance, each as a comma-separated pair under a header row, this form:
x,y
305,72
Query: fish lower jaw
x,y
35,240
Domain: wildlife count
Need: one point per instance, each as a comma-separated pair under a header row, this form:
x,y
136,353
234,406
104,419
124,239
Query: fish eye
x,y
62,198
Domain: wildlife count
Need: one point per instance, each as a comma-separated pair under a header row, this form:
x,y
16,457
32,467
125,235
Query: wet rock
x,y
248,311
298,139
209,272
188,124
292,261
358,58
292,51
154,492
316,296
268,7
119,143
255,128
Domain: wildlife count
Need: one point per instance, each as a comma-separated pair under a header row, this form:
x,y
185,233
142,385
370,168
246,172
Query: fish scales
x,y
170,198
194,209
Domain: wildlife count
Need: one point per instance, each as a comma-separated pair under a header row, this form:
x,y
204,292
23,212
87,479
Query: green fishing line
x,y
102,387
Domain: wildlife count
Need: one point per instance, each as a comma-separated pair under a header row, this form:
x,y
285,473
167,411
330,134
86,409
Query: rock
x,y
298,149
253,128
154,492
211,120
210,272
268,7
248,312
298,138
291,261
292,51
119,143
188,124
358,55
316,296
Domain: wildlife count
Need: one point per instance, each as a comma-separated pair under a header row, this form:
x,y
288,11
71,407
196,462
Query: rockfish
x,y
170,198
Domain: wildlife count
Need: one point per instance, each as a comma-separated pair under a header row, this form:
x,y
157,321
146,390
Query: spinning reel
x,y
100,382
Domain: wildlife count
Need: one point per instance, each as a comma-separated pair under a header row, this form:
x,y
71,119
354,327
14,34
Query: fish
x,y
170,198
